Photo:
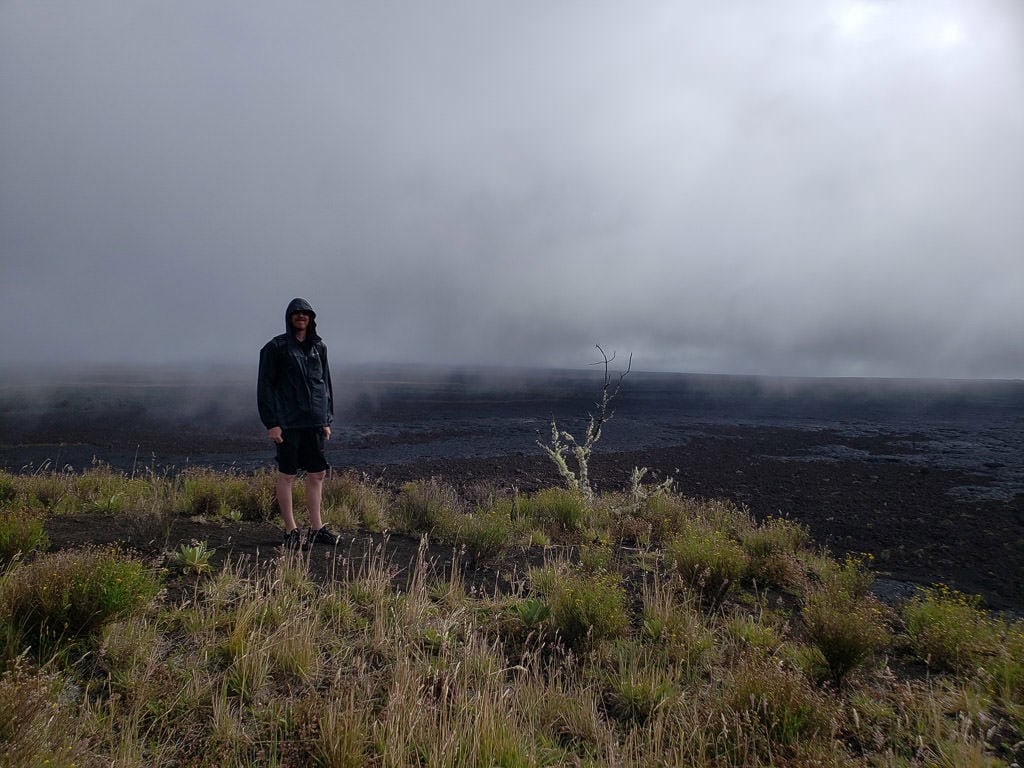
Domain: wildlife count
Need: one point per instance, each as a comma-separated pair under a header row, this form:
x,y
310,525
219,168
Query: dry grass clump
x,y
426,506
634,685
41,491
432,507
206,493
654,520
36,724
776,706
103,489
755,633
673,625
844,623
352,501
51,493
563,515
8,487
486,534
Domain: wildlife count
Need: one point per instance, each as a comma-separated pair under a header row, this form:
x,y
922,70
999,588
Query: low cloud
x,y
801,189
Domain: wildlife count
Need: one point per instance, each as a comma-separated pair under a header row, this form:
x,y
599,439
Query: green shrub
x,y
947,628
707,559
588,605
845,628
74,592
20,534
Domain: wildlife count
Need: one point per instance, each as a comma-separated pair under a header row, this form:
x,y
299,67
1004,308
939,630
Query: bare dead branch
x,y
557,450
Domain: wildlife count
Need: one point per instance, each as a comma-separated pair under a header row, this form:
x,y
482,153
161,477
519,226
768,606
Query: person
x,y
296,405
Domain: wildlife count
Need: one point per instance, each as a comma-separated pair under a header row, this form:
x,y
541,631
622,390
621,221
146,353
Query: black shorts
x,y
302,449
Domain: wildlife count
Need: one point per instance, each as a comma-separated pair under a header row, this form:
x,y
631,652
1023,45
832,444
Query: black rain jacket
x,y
294,388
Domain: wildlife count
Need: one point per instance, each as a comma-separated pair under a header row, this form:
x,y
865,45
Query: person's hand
x,y
275,434
327,433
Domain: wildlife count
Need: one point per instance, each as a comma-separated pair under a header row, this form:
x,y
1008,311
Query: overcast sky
x,y
801,187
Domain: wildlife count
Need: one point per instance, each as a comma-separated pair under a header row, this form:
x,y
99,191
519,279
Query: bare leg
x,y
284,500
314,492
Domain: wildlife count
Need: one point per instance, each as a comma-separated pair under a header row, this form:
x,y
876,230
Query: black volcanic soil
x,y
903,514
926,476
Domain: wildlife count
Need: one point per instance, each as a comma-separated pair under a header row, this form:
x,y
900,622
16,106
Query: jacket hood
x,y
296,305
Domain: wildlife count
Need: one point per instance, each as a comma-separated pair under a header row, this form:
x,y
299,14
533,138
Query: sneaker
x,y
292,539
324,536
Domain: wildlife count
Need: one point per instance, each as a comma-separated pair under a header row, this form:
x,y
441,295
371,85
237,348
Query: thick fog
x,y
805,187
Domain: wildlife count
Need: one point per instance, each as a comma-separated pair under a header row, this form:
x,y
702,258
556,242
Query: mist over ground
x,y
800,188
177,416
929,475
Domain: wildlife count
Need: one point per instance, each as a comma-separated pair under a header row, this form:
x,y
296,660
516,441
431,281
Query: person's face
x,y
300,320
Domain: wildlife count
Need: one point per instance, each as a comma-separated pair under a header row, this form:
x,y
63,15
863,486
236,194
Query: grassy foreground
x,y
660,630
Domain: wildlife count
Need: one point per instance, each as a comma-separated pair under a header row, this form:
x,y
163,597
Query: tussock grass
x,y
36,721
21,534
351,501
427,506
772,548
674,626
661,631
204,492
560,513
72,593
587,606
708,560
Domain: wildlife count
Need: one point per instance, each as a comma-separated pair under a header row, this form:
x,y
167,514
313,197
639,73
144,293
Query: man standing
x,y
296,405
